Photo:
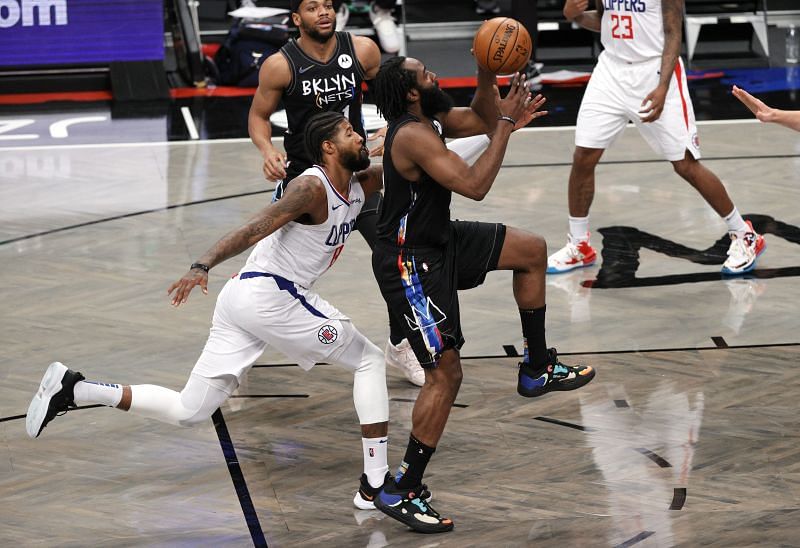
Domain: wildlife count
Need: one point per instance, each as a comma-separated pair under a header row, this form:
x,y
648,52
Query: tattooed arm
x,y
672,13
305,196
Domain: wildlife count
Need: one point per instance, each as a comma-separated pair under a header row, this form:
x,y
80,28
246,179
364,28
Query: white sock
x,y
579,228
735,222
375,463
89,392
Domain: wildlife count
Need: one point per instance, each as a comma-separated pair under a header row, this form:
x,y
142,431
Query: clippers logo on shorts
x,y
332,89
371,452
696,140
327,334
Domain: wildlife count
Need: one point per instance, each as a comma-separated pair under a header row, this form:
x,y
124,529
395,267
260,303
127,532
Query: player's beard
x,y
356,161
316,35
433,101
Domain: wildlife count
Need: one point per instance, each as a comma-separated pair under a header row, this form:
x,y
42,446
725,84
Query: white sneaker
x,y
402,357
342,16
571,256
743,251
385,28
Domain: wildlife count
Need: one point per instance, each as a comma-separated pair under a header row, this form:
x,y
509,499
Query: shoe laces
x,y
742,247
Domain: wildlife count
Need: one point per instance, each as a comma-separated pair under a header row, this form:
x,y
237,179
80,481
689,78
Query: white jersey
x,y
302,253
632,30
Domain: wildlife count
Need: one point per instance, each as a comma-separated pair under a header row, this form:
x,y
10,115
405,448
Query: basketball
x,y
502,45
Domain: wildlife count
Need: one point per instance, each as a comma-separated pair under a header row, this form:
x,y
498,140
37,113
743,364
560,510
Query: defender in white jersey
x,y
269,302
640,78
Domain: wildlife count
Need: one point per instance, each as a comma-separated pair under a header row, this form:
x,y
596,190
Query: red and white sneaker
x,y
744,251
573,255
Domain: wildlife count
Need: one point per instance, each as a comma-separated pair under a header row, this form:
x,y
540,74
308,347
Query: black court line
x,y
407,400
249,511
678,498
656,458
510,350
659,161
567,424
134,214
271,396
645,350
720,342
634,540
233,196
621,404
17,417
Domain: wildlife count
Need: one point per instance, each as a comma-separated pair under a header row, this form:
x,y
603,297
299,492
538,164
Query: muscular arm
x,y
368,55
301,197
416,147
305,195
672,12
273,78
481,116
575,11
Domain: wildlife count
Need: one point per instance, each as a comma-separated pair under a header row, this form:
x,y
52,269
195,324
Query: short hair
x,y
295,5
321,127
391,87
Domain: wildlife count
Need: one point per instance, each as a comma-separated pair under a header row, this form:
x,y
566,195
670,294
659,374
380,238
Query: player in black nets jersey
x,y
422,257
322,70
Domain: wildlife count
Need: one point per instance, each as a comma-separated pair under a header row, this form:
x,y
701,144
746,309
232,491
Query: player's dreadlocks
x,y
391,86
320,127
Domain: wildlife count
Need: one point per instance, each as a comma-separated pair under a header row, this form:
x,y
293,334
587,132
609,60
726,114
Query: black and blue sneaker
x,y
410,507
553,376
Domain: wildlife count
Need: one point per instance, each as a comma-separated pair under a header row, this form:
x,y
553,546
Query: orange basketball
x,y
502,45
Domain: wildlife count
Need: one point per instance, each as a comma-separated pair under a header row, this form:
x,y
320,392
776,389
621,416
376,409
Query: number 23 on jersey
x,y
621,27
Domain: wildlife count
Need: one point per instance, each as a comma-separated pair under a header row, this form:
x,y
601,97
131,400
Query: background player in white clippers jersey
x,y
639,77
268,302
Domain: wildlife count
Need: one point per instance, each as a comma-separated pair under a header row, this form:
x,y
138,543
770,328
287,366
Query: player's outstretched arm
x,y
273,77
303,196
765,113
418,146
575,11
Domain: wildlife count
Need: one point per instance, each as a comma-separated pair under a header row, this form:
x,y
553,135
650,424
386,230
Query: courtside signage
x,y
56,32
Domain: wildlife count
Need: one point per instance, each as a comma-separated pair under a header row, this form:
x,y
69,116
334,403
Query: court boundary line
x,y
184,142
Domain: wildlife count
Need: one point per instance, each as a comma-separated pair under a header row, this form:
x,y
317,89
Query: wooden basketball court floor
x,y
688,436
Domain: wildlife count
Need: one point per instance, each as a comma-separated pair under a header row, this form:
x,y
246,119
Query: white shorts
x,y
614,96
261,311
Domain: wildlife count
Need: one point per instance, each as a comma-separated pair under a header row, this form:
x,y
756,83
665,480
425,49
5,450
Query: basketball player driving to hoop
x,y
640,77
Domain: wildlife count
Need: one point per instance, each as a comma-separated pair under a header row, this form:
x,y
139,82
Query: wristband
x,y
201,266
507,119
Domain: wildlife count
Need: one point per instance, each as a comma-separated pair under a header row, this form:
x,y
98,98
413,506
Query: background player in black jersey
x,y
422,257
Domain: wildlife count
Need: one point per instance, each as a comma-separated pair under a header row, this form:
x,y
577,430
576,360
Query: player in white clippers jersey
x,y
640,78
269,302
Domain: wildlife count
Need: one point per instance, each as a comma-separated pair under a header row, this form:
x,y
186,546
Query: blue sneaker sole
x,y
573,269
750,268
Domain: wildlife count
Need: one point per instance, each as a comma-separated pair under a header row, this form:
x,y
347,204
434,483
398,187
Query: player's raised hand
x,y
757,106
531,111
517,100
184,286
573,8
653,104
379,136
274,165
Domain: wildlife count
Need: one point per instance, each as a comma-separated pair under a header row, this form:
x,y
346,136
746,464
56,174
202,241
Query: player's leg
x,y
229,352
674,136
424,296
371,401
601,119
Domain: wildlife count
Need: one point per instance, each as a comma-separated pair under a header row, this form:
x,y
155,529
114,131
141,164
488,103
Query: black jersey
x,y
331,86
414,213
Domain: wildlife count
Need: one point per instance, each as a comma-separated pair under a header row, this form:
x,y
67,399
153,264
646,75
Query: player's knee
x,y
447,375
538,252
685,168
195,417
585,159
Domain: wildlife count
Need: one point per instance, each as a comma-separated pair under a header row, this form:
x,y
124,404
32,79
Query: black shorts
x,y
420,284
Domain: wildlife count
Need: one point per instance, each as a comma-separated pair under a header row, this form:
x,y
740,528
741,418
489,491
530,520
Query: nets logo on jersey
x,y
638,6
339,87
327,334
